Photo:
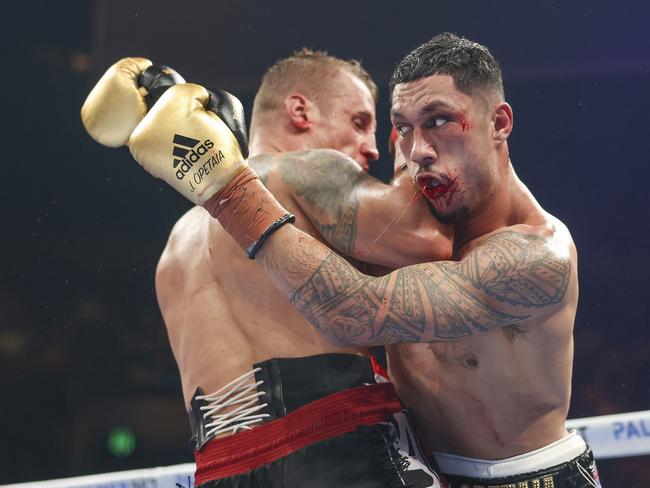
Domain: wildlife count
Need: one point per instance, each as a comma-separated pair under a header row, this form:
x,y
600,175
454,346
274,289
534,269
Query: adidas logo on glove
x,y
184,145
188,151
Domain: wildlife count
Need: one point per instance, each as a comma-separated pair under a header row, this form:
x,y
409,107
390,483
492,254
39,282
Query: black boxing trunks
x,y
567,463
328,425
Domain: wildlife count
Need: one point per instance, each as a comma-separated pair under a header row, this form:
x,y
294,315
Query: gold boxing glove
x,y
120,99
195,140
184,142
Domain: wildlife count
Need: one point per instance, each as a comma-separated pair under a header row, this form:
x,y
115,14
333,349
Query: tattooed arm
x,y
510,278
361,216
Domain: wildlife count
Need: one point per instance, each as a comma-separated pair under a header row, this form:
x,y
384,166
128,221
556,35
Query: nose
x,y
369,149
423,151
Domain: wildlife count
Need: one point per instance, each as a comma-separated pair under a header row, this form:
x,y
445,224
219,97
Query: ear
x,y
299,111
503,122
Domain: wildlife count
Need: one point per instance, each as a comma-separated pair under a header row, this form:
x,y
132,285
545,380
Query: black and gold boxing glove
x,y
195,140
122,97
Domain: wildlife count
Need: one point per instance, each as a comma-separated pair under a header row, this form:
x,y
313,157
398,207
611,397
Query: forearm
x,y
322,286
317,281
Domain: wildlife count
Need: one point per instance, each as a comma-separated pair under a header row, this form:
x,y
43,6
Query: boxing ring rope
x,y
610,436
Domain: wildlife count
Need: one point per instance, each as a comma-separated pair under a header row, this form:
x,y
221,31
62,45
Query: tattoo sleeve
x,y
508,279
325,183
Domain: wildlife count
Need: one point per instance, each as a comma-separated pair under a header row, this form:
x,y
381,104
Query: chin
x,y
454,216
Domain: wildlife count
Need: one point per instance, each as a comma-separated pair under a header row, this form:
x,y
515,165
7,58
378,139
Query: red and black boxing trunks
x,y
330,425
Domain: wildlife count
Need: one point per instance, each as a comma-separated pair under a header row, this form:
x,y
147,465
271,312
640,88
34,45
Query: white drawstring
x,y
233,394
587,475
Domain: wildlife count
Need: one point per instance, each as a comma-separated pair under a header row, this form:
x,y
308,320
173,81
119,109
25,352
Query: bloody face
x,y
446,138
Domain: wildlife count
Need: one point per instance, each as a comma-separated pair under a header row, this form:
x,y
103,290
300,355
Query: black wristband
x,y
255,246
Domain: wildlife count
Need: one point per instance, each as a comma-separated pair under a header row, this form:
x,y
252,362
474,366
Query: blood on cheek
x,y
463,123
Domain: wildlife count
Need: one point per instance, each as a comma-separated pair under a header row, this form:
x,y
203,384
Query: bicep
x,y
395,228
510,278
323,184
362,217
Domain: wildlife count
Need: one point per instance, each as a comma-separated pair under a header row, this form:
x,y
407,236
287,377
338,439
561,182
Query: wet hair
x,y
470,64
308,72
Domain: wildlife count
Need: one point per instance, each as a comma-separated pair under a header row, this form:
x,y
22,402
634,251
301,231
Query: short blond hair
x,y
307,72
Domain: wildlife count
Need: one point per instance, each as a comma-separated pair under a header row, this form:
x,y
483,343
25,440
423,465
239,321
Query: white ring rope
x,y
618,435
610,436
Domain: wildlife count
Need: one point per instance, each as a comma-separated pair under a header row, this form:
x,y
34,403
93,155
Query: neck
x,y
270,139
257,147
511,204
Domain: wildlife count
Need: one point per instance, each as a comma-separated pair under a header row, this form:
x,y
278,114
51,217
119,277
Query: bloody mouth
x,y
435,189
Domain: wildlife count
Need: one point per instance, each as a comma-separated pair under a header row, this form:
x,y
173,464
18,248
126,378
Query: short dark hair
x,y
469,63
307,71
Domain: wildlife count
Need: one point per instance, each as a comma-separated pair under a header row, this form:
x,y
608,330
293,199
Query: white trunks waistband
x,y
558,452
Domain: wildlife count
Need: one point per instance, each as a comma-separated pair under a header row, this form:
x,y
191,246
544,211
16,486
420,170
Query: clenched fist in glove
x,y
121,98
195,140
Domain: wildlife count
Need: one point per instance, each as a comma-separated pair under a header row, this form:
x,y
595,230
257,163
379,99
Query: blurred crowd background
x,y
88,383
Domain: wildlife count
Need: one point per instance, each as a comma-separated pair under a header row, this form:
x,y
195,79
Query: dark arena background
x,y
88,381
